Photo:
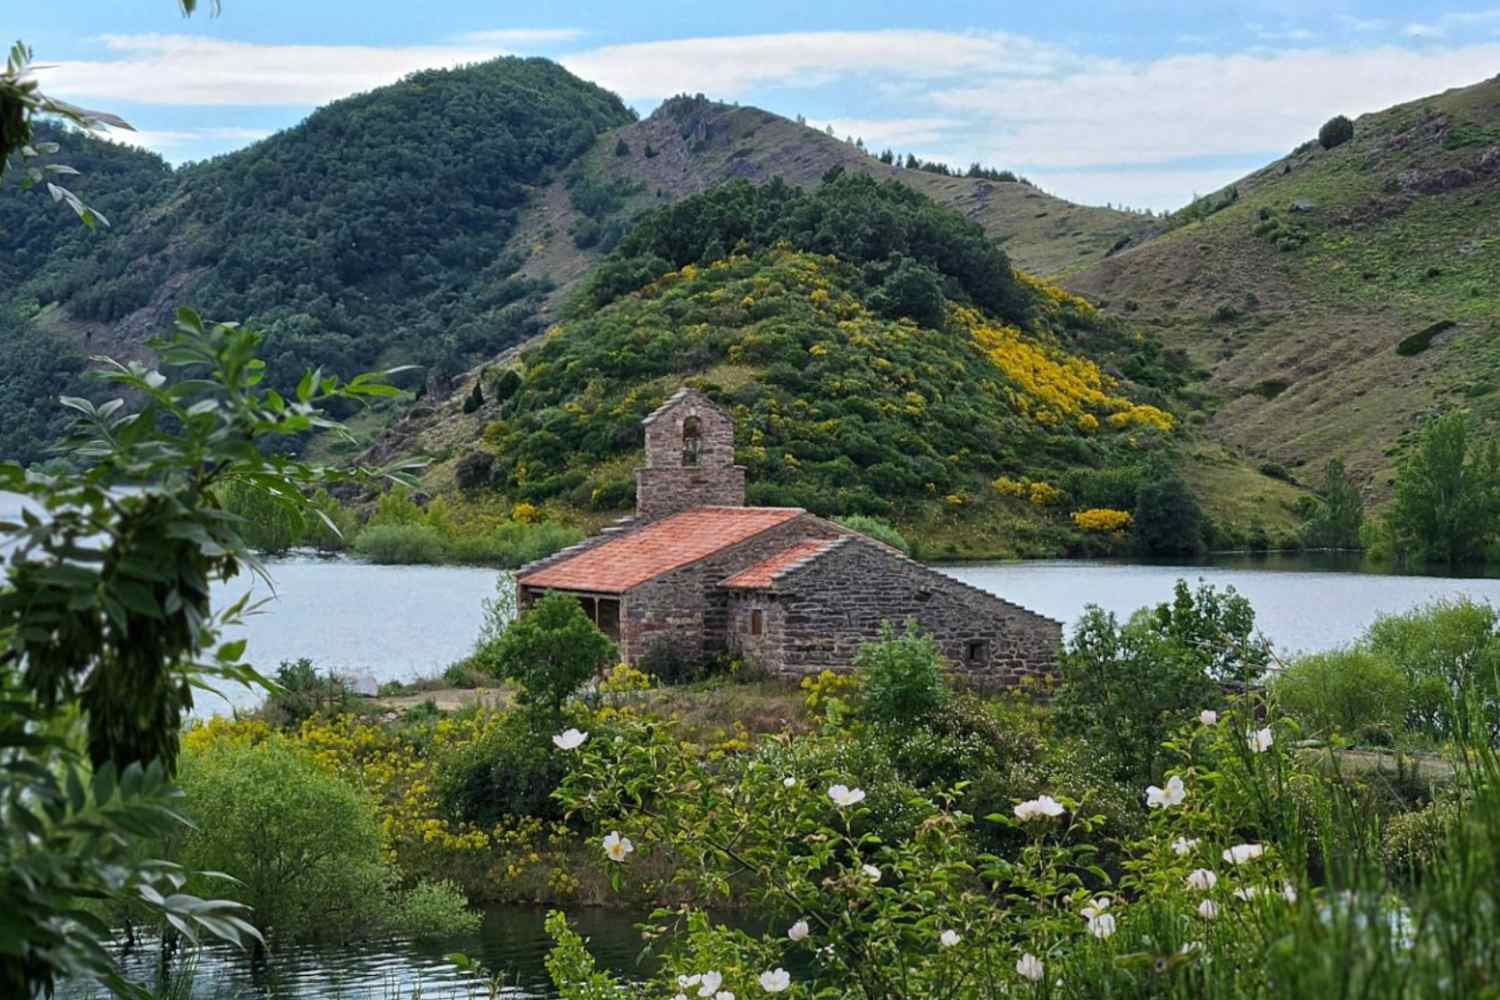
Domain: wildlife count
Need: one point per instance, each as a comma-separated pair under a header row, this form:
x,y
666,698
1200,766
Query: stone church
x,y
779,587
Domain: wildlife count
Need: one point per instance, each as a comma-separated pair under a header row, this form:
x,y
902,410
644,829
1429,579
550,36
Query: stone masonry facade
x,y
689,458
816,615
687,609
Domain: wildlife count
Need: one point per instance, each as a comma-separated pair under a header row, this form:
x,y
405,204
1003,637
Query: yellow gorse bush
x,y
1052,387
1103,520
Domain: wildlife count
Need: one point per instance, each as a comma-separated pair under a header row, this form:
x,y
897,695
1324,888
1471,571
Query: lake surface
x,y
404,622
1303,602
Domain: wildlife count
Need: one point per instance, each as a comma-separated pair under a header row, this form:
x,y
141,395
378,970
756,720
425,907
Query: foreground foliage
x,y
106,629
1255,870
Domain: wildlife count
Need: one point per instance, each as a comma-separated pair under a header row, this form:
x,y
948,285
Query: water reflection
x,y
512,942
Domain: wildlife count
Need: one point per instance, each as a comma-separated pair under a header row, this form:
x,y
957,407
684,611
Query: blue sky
x,y
1142,104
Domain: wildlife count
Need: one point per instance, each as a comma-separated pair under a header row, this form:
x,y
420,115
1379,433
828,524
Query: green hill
x,y
1337,296
375,232
879,354
691,144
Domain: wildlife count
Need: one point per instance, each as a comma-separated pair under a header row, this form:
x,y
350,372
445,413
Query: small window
x,y
976,651
692,440
757,621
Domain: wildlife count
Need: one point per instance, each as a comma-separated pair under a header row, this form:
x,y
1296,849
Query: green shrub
x,y
1168,520
1413,841
901,676
435,909
302,693
1335,132
305,846
512,771
551,649
400,544
1125,688
1354,692
1450,654
267,522
1422,339
475,399
876,529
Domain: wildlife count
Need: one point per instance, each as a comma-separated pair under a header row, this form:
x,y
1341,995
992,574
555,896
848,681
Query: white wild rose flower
x,y
616,847
1208,909
1260,740
1096,907
569,739
1028,966
710,983
789,782
1042,807
1185,845
1247,893
949,938
723,995
1208,717
686,981
1289,892
798,931
843,796
1202,879
1241,854
1166,798
775,981
872,872
1102,926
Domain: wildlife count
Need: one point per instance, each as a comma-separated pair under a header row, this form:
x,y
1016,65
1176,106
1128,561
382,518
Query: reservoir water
x,y
405,622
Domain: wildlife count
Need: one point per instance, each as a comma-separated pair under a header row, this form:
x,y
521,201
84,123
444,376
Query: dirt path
x,y
447,699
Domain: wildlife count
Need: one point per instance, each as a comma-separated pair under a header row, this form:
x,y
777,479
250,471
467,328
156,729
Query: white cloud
x,y
1056,113
185,69
903,132
1160,189
728,66
1184,107
168,141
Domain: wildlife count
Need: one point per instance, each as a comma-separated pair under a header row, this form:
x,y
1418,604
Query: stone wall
x,y
688,609
684,470
818,615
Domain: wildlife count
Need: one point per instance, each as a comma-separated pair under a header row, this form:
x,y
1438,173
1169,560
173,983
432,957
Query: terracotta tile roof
x,y
764,574
619,564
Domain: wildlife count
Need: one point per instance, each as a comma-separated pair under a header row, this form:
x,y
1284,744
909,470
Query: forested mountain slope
x,y
377,231
1341,295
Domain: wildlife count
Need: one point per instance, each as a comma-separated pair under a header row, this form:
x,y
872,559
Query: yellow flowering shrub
x,y
1009,487
1044,494
828,687
1103,520
1051,386
623,677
